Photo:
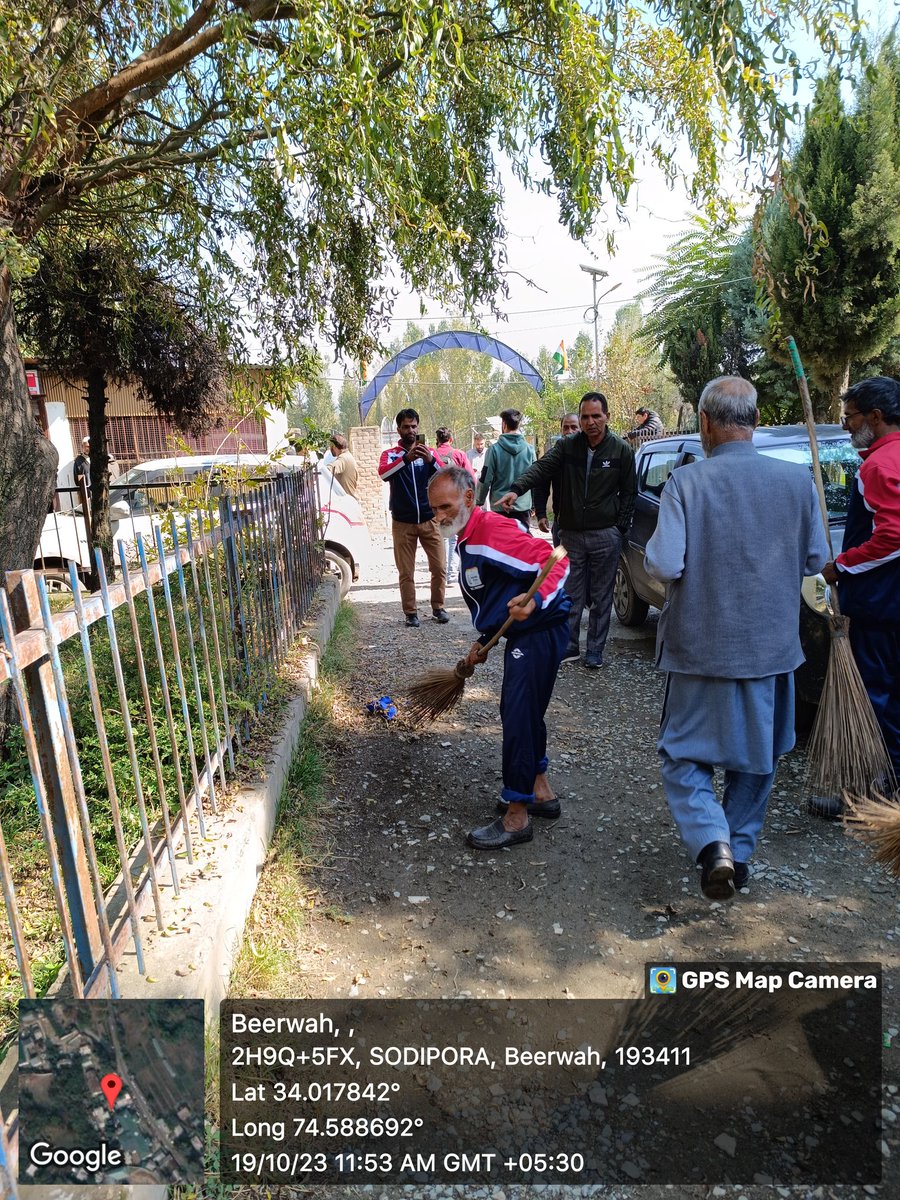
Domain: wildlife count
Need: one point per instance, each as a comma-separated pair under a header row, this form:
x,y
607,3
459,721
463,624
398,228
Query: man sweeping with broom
x,y
498,561
737,532
867,571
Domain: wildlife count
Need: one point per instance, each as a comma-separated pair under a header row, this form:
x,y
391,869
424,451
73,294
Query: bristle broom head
x,y
846,750
437,692
876,822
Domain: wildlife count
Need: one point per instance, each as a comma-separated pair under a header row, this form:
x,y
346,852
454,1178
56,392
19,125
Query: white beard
x,y
863,438
452,528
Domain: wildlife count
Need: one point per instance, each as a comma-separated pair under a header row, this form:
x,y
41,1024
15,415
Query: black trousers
x,y
877,654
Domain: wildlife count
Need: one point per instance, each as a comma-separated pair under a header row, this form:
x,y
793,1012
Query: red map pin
x,y
111,1085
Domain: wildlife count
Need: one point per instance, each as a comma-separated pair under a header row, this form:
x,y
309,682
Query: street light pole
x,y
595,273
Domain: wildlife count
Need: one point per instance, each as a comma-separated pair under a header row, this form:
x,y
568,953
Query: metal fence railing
x,y
131,705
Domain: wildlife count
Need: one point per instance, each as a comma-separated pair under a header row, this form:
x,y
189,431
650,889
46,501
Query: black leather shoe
x,y
717,871
440,615
829,808
412,621
550,809
741,875
495,837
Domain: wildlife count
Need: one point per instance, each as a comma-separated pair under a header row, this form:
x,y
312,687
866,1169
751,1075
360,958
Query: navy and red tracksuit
x,y
498,559
409,484
869,582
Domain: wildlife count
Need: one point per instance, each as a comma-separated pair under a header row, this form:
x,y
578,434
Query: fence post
x,y
58,784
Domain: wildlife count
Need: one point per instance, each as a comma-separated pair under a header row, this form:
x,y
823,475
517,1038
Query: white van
x,y
134,512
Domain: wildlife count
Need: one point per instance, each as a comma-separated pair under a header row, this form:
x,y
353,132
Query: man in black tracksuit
x,y
596,485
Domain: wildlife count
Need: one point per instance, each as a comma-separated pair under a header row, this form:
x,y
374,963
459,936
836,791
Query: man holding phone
x,y
407,469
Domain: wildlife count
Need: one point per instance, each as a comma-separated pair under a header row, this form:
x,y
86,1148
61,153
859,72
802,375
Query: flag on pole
x,y
561,360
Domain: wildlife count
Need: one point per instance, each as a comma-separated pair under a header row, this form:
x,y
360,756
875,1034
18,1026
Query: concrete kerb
x,y
193,956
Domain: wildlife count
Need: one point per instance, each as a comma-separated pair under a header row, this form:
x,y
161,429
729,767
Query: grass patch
x,y
29,864
267,962
212,1187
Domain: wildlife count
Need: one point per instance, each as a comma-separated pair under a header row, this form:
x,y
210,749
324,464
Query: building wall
x,y
60,435
365,446
136,433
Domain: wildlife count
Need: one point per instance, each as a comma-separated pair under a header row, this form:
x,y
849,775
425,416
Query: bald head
x,y
730,400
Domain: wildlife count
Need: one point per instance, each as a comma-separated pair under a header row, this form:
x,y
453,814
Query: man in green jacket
x,y
509,456
593,471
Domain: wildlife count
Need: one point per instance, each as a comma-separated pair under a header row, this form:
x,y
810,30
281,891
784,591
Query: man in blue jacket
x,y
407,468
737,532
498,562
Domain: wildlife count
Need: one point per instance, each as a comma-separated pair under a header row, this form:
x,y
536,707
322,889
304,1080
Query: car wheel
x,y
336,564
630,608
57,581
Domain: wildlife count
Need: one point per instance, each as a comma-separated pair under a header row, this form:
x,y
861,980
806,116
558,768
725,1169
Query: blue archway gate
x,y
451,339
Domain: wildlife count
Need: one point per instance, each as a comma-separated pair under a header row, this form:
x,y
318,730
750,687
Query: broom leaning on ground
x,y
846,754
441,689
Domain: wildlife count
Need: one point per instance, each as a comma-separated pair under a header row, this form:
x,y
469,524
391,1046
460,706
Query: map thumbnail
x,y
111,1091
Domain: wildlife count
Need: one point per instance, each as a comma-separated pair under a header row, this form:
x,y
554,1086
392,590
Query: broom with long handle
x,y
441,689
846,754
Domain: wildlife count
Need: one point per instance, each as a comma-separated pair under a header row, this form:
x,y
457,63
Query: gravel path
x,y
578,911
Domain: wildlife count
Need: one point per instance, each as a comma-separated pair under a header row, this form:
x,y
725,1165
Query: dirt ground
x,y
578,911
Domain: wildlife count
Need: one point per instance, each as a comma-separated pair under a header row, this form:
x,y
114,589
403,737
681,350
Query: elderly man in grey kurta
x,y
737,532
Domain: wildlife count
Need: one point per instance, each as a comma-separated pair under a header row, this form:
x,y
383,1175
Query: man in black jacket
x,y
81,468
595,485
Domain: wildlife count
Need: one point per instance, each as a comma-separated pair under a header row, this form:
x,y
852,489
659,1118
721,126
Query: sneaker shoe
x,y
412,621
593,661
573,654
440,615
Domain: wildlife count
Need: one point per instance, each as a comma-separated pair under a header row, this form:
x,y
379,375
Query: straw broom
x,y
876,822
441,689
846,751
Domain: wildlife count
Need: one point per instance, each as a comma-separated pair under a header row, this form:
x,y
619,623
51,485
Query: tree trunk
x,y
100,526
28,463
837,385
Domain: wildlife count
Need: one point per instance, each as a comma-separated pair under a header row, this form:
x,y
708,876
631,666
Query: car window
x,y
656,470
839,461
136,476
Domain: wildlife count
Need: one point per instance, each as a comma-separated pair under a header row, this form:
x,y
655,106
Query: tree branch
x,y
166,58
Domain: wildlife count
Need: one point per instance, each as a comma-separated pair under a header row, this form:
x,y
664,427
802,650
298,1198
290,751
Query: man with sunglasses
x,y
867,571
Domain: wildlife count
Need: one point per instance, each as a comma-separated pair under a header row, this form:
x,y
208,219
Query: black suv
x,y
636,591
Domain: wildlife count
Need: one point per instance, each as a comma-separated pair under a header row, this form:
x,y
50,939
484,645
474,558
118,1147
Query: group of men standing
x,y
591,473
736,534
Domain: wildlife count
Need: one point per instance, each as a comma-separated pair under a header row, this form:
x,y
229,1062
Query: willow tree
x,y
296,150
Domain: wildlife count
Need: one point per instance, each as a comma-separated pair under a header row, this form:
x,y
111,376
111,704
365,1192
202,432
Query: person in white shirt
x,y
477,454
